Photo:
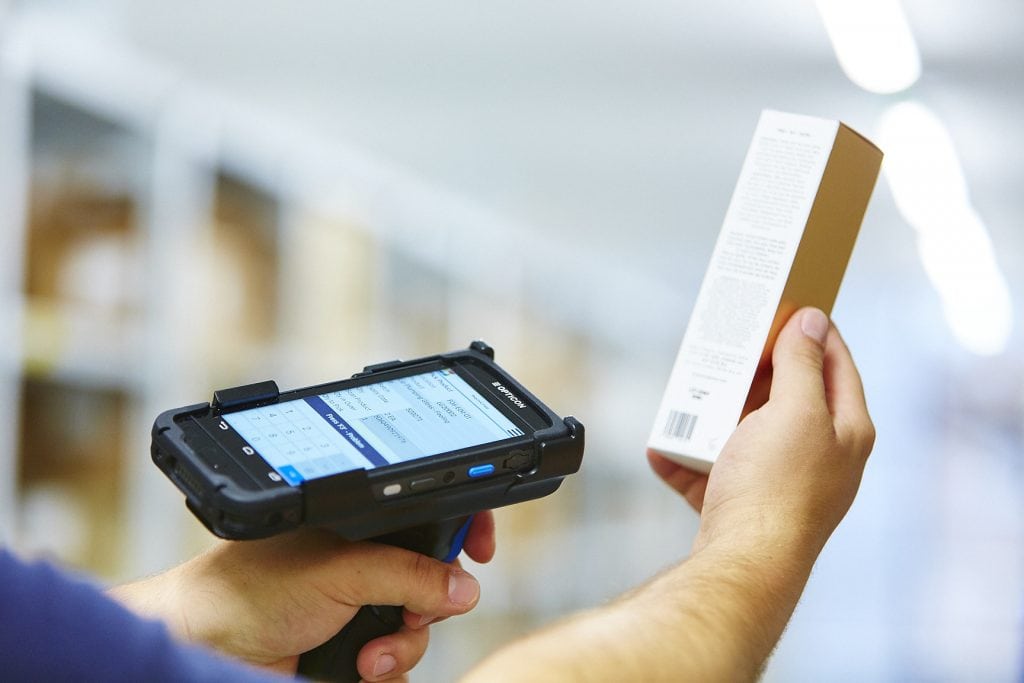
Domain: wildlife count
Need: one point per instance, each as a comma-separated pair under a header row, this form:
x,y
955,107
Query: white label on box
x,y
741,290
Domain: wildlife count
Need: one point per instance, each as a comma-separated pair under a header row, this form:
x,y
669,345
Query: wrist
x,y
763,539
158,598
189,609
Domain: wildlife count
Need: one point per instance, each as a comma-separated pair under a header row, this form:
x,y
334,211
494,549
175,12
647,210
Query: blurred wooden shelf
x,y
81,345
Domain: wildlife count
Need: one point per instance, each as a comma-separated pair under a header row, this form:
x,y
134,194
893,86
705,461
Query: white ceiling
x,y
622,125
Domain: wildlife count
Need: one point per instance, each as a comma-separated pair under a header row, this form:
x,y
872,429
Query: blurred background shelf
x,y
71,470
81,345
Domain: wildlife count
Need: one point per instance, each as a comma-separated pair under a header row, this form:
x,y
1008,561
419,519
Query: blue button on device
x,y
480,471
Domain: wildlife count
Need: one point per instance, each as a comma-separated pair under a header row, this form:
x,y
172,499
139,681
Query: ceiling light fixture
x,y
928,186
873,43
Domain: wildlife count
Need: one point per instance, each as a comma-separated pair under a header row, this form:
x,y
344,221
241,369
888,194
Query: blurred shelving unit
x,y
84,324
87,158
13,193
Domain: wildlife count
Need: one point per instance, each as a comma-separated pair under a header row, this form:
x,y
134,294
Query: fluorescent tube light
x,y
873,43
931,193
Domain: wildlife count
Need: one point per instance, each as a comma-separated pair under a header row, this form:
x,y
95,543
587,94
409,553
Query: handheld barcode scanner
x,y
403,453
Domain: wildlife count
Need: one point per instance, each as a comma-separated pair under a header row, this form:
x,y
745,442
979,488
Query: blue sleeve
x,y
57,628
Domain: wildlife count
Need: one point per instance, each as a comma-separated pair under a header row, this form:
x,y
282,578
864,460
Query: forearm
x,y
714,617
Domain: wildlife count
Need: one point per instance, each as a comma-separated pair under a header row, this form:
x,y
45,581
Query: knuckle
x,y
868,436
416,647
426,573
858,438
809,355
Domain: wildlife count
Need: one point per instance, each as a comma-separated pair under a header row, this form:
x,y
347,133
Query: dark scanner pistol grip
x,y
335,660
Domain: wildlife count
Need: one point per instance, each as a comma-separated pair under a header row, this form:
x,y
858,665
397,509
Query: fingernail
x,y
426,620
815,325
385,664
463,589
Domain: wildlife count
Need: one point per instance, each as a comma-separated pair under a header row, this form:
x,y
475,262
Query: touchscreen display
x,y
371,426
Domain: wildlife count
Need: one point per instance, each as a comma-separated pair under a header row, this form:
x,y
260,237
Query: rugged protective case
x,y
217,493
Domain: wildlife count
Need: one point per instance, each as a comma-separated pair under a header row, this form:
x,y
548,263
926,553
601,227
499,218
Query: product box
x,y
785,243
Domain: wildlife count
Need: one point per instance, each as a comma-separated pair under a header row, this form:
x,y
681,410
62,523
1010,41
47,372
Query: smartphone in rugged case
x,y
398,445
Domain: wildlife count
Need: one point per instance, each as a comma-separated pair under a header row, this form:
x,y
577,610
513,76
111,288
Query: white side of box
x,y
740,293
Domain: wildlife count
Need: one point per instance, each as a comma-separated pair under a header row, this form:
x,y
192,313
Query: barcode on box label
x,y
680,425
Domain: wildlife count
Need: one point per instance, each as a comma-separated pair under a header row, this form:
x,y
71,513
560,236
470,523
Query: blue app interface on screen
x,y
371,426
